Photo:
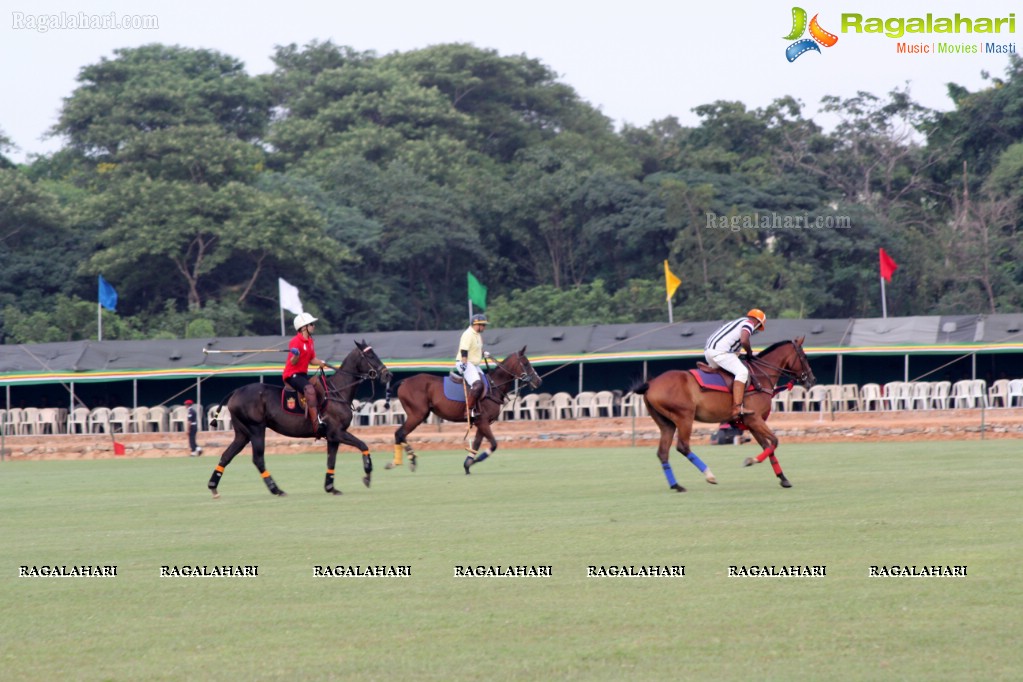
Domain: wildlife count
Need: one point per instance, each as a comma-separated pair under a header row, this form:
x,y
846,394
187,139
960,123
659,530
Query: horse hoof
x,y
365,481
280,493
412,463
391,465
785,483
749,462
466,464
216,495
333,491
710,478
677,488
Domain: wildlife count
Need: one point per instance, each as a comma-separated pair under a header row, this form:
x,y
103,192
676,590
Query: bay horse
x,y
674,399
257,407
422,394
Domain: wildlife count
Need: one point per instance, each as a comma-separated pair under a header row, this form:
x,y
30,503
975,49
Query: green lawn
x,y
852,506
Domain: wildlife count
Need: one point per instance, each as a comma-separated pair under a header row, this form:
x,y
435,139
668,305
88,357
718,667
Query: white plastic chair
x,y
379,415
120,418
158,416
940,394
796,398
562,406
544,406
140,419
998,394
604,404
30,422
50,421
962,394
583,404
820,398
99,420
527,407
920,395
179,417
870,398
1015,392
78,420
633,405
780,401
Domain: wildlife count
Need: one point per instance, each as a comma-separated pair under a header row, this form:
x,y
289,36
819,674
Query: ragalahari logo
x,y
817,35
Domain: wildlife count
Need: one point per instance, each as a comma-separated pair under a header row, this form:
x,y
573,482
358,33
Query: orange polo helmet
x,y
758,315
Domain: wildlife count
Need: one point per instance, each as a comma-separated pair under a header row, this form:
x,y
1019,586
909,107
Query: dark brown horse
x,y
675,399
257,407
424,393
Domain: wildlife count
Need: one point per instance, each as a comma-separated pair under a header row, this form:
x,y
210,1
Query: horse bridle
x,y
802,377
523,376
331,392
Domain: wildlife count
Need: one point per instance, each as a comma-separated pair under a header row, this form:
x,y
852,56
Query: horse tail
x,y
390,392
640,389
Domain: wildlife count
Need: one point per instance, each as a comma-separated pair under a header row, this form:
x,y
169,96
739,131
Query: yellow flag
x,y
671,282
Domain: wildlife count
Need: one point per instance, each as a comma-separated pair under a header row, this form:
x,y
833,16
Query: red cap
x,y
189,402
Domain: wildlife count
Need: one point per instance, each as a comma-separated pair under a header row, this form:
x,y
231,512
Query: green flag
x,y
477,293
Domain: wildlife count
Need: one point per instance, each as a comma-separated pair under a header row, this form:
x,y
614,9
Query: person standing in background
x,y
193,428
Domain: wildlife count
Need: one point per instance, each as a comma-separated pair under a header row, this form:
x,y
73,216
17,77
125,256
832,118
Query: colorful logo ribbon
x,y
817,35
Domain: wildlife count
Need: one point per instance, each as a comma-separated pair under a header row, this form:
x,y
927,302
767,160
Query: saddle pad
x,y
454,391
290,401
710,381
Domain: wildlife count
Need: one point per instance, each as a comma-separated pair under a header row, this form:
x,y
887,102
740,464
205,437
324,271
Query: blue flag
x,y
107,294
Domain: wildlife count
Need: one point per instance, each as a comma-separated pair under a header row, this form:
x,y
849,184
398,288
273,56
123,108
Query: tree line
x,y
374,183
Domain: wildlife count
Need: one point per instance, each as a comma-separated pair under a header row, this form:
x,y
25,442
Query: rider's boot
x,y
314,416
475,393
738,410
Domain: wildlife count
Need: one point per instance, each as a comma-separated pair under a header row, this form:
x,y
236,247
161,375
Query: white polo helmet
x,y
302,319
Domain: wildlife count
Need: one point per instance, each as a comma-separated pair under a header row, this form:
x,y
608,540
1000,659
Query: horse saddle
x,y
294,402
455,390
291,401
715,379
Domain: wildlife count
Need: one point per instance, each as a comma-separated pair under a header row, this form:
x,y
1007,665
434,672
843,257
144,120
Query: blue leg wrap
x,y
482,456
697,462
669,474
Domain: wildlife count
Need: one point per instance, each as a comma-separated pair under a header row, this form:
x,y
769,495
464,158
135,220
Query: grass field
x,y
852,506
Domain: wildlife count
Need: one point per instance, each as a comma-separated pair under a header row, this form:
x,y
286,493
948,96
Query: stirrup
x,y
742,411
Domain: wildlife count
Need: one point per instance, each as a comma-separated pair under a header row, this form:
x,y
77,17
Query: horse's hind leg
x,y
685,433
401,441
240,441
667,428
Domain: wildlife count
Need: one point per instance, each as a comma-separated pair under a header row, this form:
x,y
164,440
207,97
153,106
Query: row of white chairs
x,y
902,395
22,421
892,396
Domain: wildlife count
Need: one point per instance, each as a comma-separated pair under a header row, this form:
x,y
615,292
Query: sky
x,y
636,61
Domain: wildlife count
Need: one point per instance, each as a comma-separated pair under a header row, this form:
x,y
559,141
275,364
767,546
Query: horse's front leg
x,y
475,456
328,482
769,442
346,438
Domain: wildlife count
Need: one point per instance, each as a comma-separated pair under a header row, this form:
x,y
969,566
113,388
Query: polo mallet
x,y
207,351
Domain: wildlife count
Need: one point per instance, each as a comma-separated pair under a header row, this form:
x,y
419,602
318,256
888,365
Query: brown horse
x,y
424,393
256,407
675,399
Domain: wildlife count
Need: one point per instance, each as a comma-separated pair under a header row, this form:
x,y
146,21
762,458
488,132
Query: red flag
x,y
888,266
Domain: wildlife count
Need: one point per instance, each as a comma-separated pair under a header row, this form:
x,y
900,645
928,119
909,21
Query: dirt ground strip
x,y
595,432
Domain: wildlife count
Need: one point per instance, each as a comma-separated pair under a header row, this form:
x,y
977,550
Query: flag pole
x,y
99,320
671,317
282,322
884,301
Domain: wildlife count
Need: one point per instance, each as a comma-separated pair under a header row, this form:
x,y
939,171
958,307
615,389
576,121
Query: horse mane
x,y
772,347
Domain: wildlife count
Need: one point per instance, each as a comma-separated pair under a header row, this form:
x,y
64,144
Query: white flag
x,y
289,297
